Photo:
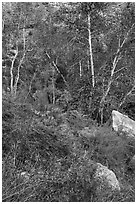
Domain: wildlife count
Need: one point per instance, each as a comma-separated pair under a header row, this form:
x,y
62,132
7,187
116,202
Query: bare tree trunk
x,y
90,50
80,69
88,65
53,85
115,62
54,64
102,102
126,96
11,71
21,61
34,75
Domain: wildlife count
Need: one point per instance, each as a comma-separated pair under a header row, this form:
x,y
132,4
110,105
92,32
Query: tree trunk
x,y
80,69
21,61
102,102
90,50
53,86
115,62
11,73
55,66
130,92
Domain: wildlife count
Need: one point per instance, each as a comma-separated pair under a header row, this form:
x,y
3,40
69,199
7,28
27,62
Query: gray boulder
x,y
122,123
106,182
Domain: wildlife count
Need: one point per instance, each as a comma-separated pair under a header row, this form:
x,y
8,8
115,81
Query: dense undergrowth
x,y
51,156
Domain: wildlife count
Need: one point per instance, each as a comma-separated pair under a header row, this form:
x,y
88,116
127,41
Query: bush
x,y
51,156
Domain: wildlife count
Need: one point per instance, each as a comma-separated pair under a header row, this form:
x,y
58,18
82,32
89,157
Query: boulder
x,y
106,182
122,123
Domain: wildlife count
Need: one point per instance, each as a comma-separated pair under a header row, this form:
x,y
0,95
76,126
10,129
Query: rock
x,y
105,181
123,123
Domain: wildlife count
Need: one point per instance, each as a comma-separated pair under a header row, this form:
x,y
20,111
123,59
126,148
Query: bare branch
x,y
118,76
54,64
128,93
11,70
77,62
90,51
126,36
120,69
119,42
34,75
80,68
53,85
21,61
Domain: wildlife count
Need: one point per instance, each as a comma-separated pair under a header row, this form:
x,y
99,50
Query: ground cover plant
x,y
47,162
65,67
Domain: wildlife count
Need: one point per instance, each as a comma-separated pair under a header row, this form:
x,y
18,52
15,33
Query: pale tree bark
x,y
115,62
90,50
53,85
21,61
80,68
114,65
125,97
88,65
56,67
11,71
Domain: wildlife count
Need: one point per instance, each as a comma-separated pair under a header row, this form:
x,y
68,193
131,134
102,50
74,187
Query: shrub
x,y
51,156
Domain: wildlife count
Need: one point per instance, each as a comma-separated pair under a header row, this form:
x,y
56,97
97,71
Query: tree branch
x,y
115,62
11,70
34,75
128,93
21,61
54,64
90,50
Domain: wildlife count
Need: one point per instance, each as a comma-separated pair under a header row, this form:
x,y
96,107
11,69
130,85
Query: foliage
x,y
53,157
51,111
54,43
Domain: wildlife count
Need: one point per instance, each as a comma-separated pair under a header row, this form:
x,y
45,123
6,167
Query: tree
x,y
123,36
86,48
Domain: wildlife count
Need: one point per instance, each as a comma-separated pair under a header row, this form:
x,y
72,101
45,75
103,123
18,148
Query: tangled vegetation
x,y
65,67
52,158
